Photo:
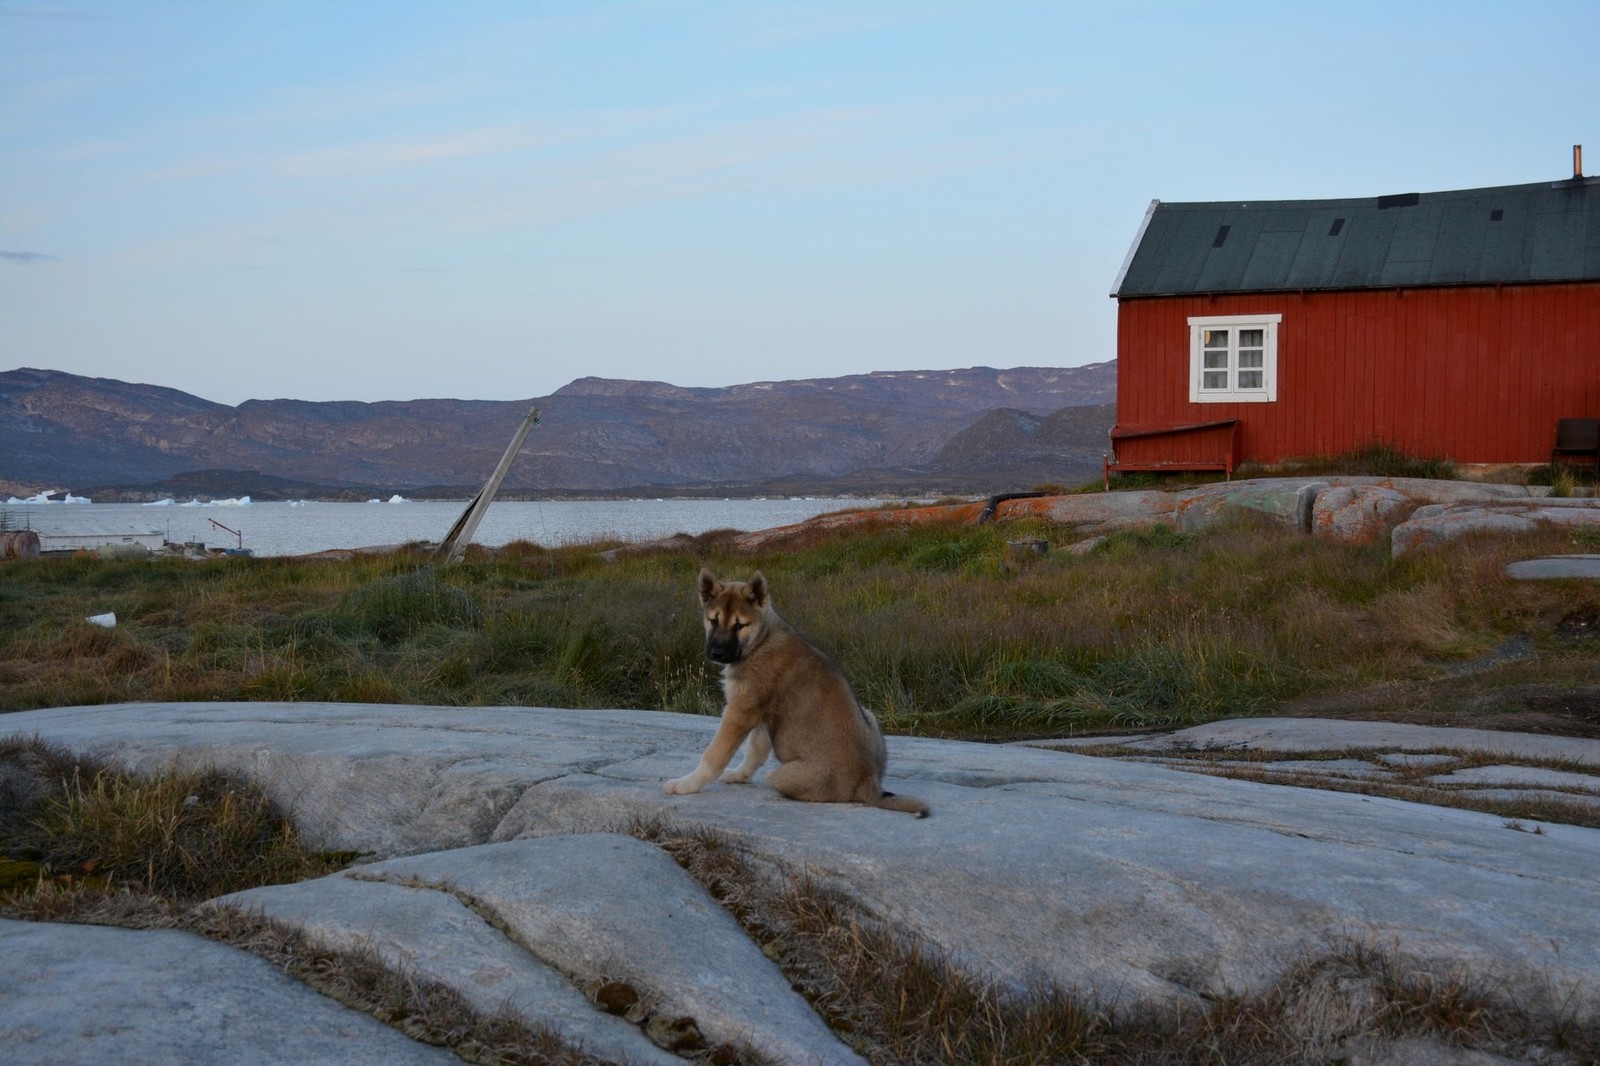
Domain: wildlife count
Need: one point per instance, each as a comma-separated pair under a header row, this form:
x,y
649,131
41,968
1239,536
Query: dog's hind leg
x,y
813,782
756,749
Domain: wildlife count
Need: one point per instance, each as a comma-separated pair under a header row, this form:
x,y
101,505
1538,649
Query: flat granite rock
x,y
1125,881
1322,734
1555,568
87,994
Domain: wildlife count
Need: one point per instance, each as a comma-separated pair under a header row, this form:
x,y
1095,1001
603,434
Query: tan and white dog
x,y
788,698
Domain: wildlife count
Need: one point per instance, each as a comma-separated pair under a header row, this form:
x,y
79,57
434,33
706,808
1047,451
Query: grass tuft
x,y
1377,459
182,834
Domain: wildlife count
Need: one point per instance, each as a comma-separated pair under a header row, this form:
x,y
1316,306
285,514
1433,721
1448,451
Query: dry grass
x,y
1153,628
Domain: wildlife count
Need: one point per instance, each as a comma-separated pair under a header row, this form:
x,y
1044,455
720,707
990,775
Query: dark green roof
x,y
1513,234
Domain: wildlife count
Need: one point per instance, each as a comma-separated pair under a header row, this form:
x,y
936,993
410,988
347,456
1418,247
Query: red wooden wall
x,y
1475,374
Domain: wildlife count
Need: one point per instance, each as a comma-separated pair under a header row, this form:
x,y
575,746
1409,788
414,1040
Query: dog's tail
x,y
910,804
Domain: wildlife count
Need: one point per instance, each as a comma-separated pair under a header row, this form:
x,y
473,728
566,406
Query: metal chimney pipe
x,y
1577,160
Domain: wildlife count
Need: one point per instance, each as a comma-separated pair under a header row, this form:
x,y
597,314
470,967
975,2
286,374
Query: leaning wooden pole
x,y
460,535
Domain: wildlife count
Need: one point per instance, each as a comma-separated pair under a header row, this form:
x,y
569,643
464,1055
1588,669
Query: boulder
x,y
1097,512
1358,514
1436,524
1282,499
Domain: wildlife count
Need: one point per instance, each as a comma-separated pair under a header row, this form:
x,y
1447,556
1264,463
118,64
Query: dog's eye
x,y
739,625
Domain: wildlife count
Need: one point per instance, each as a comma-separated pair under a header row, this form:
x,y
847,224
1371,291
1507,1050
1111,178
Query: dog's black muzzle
x,y
722,649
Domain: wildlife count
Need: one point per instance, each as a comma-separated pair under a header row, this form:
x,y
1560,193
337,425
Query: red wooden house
x,y
1453,325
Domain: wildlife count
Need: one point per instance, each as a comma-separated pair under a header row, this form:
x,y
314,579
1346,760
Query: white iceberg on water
x,y
44,497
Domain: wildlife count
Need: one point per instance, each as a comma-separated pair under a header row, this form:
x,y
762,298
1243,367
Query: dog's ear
x,y
709,585
755,590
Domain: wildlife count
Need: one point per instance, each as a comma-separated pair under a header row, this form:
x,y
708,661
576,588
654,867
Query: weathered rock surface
x,y
1122,879
1357,514
578,911
88,994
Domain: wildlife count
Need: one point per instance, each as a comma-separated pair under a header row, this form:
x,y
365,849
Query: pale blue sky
x,y
337,199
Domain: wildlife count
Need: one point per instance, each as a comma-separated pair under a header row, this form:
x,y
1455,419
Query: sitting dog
x,y
786,697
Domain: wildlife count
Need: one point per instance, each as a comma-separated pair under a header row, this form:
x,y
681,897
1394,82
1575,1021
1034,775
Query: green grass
x,y
1151,628
1377,459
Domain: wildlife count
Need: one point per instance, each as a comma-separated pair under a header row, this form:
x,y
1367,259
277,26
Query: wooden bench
x,y
1203,446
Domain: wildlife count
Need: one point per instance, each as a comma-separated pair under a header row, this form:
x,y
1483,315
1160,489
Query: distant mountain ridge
x,y
886,429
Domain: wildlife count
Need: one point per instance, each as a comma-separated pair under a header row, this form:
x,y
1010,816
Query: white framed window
x,y
1233,359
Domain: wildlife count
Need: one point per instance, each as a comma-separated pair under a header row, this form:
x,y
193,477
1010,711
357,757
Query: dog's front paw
x,y
738,777
682,786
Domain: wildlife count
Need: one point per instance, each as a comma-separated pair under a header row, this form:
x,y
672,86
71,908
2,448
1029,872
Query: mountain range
x,y
977,430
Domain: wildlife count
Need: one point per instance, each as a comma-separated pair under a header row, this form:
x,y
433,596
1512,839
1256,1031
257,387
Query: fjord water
x,y
299,528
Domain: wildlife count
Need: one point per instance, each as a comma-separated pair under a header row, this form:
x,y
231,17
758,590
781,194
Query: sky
x,y
486,199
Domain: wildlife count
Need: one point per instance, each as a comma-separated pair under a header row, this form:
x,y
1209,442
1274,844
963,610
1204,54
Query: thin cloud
x,y
359,159
71,16
28,258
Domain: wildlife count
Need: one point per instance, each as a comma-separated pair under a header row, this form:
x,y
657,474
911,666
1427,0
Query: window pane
x,y
1252,338
1250,379
1213,379
1216,360
1251,358
1214,338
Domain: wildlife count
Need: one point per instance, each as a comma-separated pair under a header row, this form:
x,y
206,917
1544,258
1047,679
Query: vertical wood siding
x,y
1475,375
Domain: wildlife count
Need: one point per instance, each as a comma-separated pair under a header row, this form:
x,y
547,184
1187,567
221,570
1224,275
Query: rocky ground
x,y
497,862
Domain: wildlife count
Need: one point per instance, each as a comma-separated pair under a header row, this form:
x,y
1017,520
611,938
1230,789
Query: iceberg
x,y
77,499
397,498
168,502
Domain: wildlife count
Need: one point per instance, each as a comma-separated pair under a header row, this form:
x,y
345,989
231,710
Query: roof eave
x,y
1133,249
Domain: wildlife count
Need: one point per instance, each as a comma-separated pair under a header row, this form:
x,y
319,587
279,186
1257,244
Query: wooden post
x,y
460,535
